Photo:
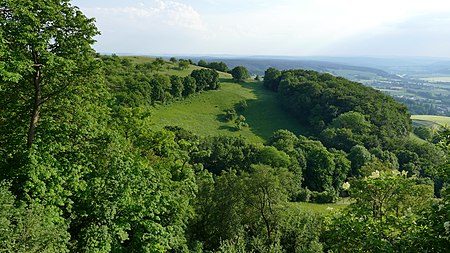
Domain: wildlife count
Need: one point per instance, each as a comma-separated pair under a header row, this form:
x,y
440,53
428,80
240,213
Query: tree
x,y
202,63
173,60
189,86
177,86
271,79
219,66
30,228
359,156
158,63
46,46
423,132
206,79
240,73
266,191
383,218
183,64
320,166
354,121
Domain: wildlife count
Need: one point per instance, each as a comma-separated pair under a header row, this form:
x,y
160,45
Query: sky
x,y
272,27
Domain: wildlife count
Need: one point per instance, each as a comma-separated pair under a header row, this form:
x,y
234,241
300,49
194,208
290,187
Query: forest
x,y
82,169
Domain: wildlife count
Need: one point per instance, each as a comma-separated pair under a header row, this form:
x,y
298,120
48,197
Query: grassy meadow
x,y
203,113
430,120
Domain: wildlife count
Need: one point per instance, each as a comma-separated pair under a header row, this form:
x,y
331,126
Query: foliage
x,y
250,210
30,227
272,79
436,221
44,56
183,64
423,132
240,73
240,123
133,205
206,79
383,216
87,172
219,66
223,152
324,101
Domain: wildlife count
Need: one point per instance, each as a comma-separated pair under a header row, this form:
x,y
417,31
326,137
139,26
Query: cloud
x,y
164,12
424,35
283,27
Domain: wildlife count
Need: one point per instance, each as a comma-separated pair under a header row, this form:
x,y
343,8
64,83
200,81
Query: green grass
x,y
203,113
416,138
169,68
430,120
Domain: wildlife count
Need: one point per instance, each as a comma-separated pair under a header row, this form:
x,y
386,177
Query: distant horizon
x,y
382,28
278,56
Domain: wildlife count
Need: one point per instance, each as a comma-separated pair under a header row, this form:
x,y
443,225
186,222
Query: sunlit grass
x,y
203,113
431,120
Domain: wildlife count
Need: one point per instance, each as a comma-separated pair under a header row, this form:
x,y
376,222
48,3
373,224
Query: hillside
x,y
87,163
257,65
203,114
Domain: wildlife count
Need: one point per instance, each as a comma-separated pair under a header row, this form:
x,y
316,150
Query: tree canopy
x,y
349,112
240,73
83,169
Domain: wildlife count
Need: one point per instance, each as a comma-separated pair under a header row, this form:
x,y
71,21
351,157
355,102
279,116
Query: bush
x,y
230,115
327,196
304,195
241,106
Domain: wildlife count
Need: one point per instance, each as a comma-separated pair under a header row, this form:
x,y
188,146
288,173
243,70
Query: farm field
x,y
430,120
437,79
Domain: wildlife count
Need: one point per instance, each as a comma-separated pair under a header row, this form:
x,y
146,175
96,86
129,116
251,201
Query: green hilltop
x,y
204,113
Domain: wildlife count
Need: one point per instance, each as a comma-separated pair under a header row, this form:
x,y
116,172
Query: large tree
x,y
46,49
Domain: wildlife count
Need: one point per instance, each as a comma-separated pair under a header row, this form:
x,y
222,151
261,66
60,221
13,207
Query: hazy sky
x,y
276,27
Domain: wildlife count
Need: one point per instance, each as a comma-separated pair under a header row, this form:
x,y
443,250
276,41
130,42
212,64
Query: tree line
x,y
137,84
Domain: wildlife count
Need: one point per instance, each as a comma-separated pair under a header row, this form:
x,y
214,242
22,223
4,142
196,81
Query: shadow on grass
x,y
229,128
221,118
225,80
265,114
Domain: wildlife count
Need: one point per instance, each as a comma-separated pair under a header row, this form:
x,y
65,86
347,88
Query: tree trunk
x,y
37,103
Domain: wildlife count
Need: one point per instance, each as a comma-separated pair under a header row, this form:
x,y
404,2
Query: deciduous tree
x,y
46,53
240,73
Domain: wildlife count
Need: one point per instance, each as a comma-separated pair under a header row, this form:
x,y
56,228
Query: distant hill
x,y
257,65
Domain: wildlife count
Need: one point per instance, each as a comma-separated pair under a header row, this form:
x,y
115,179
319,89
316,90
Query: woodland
x,y
82,169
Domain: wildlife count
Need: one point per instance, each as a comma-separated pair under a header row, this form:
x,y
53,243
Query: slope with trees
x,y
345,112
81,169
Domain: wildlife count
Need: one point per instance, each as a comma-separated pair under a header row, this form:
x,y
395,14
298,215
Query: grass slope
x,y
203,113
169,68
430,120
